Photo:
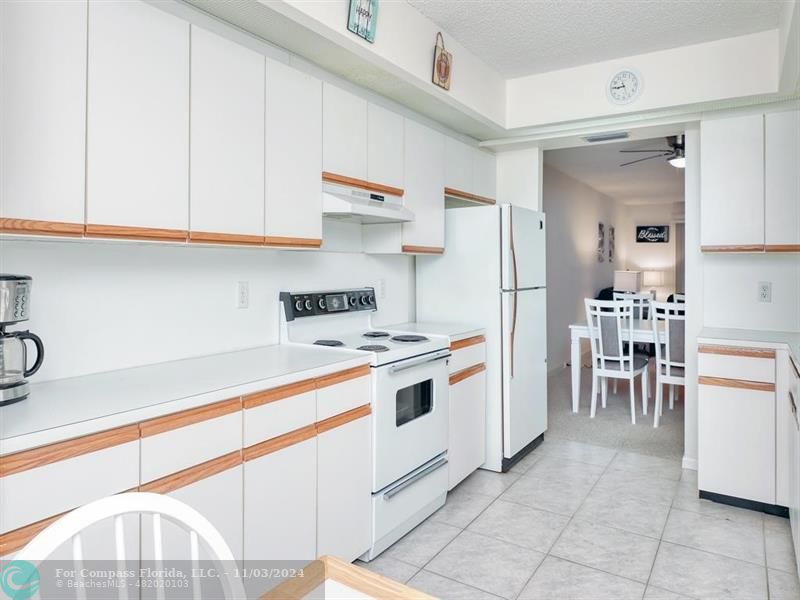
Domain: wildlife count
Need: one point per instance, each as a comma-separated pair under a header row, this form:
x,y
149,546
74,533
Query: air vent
x,y
607,137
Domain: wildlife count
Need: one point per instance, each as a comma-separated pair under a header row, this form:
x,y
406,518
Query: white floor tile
x,y
521,525
559,579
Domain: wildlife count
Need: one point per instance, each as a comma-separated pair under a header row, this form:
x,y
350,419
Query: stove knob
x,y
298,305
309,305
371,299
321,303
352,300
364,301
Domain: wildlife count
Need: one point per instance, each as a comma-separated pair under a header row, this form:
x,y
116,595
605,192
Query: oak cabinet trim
x,y
466,373
736,351
210,237
734,248
189,417
136,233
470,341
448,191
736,383
782,248
14,540
279,393
342,376
51,453
175,481
343,418
292,242
34,227
370,186
279,443
412,249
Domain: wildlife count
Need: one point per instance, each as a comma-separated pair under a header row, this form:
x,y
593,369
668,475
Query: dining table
x,y
642,333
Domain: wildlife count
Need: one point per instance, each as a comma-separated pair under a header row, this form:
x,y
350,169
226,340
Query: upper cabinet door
x,y
138,121
344,133
227,140
782,180
43,113
294,155
424,164
459,166
384,147
732,183
485,174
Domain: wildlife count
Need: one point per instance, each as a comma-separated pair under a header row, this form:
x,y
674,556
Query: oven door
x,y
410,416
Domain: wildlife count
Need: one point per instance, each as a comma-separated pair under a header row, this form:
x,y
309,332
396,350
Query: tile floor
x,y
592,521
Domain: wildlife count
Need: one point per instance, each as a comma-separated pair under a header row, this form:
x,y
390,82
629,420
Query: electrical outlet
x,y
765,291
242,294
381,289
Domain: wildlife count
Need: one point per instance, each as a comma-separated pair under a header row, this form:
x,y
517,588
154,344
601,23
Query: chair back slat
x,y
158,554
77,560
610,323
641,303
119,548
672,354
194,552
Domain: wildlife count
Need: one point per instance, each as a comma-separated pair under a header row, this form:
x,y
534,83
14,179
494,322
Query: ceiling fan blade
x,y
644,159
659,150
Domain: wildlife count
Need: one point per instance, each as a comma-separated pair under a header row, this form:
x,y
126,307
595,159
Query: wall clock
x,y
624,87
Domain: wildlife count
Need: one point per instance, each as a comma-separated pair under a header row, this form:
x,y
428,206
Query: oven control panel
x,y
311,304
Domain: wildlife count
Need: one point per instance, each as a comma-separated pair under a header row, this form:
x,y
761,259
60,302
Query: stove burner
x,y
374,348
328,343
409,338
376,334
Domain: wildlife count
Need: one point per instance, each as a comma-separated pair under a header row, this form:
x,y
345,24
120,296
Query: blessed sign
x,y
652,234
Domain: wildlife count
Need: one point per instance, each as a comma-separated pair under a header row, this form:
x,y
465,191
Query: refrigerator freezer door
x,y
524,368
522,248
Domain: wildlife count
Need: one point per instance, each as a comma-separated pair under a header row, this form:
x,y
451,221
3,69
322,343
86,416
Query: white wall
x,y
729,68
648,257
519,178
100,306
573,211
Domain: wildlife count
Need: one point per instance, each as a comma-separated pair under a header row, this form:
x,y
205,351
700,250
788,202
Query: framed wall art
x,y
362,19
442,64
652,234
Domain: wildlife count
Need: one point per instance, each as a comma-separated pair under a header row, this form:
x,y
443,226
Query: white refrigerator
x,y
493,274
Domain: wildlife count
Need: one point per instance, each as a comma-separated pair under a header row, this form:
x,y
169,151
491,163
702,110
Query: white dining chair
x,y
609,322
671,355
641,310
200,533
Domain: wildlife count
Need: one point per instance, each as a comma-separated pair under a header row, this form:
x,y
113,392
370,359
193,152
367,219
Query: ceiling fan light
x,y
679,162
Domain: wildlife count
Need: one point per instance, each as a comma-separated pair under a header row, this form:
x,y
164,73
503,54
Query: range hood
x,y
362,206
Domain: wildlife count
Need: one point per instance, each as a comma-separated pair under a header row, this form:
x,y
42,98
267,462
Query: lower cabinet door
x,y
218,499
736,442
280,498
345,490
467,447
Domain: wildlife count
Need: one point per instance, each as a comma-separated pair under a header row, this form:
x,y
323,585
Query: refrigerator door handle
x,y
513,331
513,248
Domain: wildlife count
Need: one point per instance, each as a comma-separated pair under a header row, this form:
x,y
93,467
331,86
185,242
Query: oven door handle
x,y
417,363
389,494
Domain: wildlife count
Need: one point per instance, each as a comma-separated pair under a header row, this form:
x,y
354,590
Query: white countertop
x,y
65,408
770,339
455,331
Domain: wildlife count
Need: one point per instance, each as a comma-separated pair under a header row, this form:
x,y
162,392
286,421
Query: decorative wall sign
x,y
612,243
652,234
363,18
601,242
442,64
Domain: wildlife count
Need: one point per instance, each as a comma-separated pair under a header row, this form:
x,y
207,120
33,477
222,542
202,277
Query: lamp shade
x,y
627,281
653,278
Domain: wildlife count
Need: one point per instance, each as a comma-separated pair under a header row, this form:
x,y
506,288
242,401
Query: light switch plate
x,y
765,291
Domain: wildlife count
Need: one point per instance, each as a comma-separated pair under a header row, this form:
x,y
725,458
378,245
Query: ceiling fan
x,y
674,154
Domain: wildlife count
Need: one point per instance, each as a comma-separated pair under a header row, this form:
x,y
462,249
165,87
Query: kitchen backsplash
x,y
100,306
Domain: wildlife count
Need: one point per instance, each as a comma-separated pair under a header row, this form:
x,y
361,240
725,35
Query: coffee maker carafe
x,y
15,297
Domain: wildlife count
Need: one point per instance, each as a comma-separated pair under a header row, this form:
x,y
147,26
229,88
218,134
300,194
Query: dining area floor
x,y
610,515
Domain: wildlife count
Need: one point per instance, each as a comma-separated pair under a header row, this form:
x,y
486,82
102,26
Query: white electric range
x,y
410,388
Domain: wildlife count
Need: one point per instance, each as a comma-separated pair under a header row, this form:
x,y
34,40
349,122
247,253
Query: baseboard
x,y
510,462
770,509
689,463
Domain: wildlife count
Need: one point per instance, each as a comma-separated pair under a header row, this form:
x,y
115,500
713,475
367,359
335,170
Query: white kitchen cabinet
x,y
732,183
138,121
459,171
344,133
784,429
280,503
344,492
293,154
384,147
227,140
485,169
467,406
43,115
782,180
219,499
736,442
